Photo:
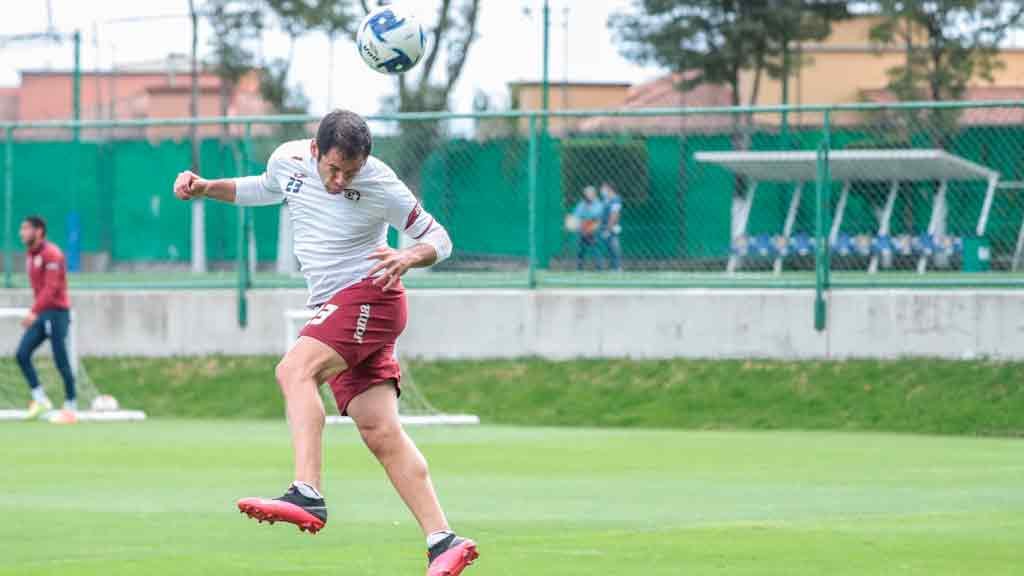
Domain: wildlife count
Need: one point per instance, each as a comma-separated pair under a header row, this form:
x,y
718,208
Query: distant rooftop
x,y
559,84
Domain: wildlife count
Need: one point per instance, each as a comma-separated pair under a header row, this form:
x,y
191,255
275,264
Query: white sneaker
x,y
37,409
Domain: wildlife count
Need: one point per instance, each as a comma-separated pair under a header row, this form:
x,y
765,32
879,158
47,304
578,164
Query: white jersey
x,y
335,234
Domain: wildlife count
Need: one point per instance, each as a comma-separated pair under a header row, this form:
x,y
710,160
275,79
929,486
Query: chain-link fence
x,y
909,195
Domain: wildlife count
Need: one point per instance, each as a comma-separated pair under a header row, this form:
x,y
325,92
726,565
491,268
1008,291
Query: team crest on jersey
x,y
352,194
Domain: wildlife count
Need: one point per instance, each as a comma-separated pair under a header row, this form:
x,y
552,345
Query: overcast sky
x,y
508,49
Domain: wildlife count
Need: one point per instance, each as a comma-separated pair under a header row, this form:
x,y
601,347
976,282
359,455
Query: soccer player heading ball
x,y
341,202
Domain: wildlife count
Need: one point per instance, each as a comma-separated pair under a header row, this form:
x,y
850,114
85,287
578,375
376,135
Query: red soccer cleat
x,y
451,556
309,514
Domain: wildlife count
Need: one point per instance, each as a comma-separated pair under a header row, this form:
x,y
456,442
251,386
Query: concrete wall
x,y
573,323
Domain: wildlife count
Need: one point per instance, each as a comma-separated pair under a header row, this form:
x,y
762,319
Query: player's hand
x,y
391,265
29,320
189,185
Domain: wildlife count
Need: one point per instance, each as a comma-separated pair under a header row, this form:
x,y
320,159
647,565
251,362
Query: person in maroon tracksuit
x,y
50,316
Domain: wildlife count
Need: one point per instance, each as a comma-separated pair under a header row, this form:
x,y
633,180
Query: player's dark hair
x,y
345,131
37,222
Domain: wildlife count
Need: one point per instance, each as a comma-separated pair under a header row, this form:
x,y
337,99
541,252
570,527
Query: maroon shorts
x,y
361,323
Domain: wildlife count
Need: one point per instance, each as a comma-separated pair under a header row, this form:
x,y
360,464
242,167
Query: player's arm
x,y
189,185
435,247
47,296
433,244
259,190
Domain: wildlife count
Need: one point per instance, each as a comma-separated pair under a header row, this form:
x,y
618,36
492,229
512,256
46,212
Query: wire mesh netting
x,y
912,195
937,194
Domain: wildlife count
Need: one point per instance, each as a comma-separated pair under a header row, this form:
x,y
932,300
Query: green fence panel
x,y
149,224
708,190
653,227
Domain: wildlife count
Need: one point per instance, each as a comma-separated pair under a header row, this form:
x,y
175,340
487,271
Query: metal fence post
x,y
531,194
244,216
8,208
821,253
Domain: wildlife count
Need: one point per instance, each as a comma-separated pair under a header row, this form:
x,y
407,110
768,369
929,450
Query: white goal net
x,y
413,405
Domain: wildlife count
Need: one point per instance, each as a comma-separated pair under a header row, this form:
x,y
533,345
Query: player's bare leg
x,y
299,374
375,413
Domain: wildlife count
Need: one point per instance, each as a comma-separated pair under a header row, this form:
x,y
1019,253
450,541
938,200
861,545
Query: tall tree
x,y
451,35
947,43
790,23
427,88
293,18
236,25
716,41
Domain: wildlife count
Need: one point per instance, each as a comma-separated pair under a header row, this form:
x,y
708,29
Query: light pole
x,y
546,80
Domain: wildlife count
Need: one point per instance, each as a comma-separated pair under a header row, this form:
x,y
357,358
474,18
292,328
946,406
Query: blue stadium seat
x,y
843,245
923,245
801,245
903,245
862,244
781,245
948,245
762,246
882,244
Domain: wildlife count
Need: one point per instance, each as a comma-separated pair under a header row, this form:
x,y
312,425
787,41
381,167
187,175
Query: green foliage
x,y
275,90
236,24
947,44
713,41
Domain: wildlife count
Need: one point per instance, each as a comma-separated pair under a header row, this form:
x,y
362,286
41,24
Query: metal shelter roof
x,y
915,165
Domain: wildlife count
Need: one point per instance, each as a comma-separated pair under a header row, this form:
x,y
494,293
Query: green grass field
x,y
694,467
157,498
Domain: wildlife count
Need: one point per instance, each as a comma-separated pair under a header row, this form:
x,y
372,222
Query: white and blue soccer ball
x,y
391,40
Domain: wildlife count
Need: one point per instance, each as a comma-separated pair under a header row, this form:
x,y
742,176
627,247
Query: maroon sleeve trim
x,y
413,216
429,227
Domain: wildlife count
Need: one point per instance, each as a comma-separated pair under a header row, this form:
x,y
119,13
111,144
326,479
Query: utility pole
x,y
198,206
546,80
74,223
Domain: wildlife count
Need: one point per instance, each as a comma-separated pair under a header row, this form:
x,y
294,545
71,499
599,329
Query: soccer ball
x,y
104,403
391,40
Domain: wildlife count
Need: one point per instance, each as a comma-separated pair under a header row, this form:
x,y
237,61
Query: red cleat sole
x,y
276,511
455,560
